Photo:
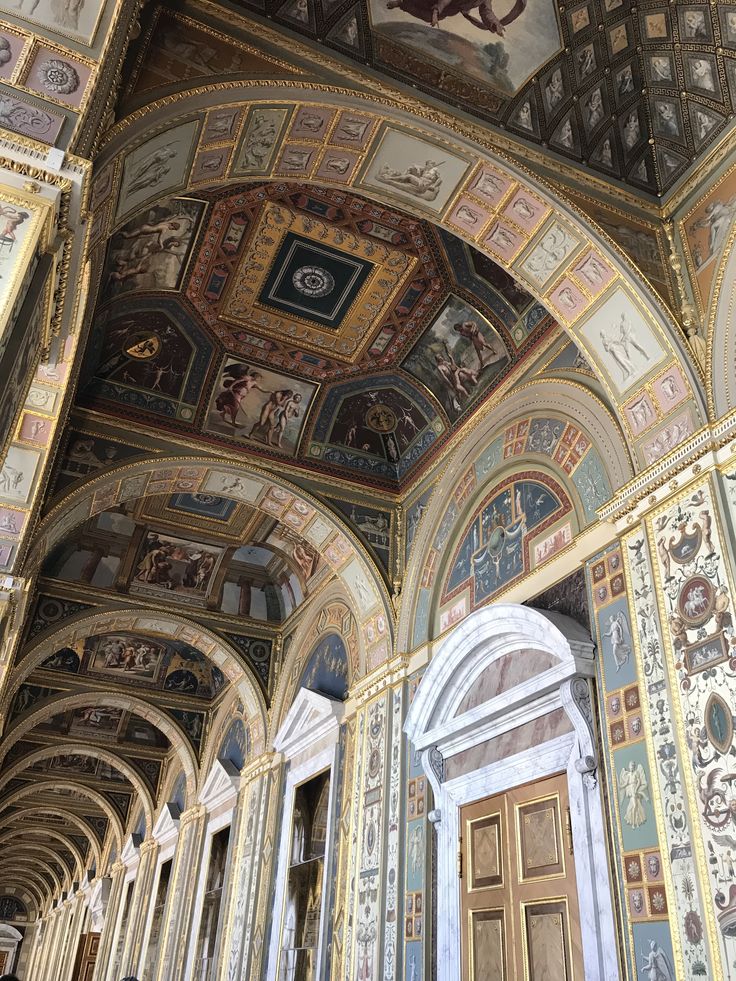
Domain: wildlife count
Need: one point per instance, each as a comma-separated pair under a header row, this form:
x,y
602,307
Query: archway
x,y
506,700
550,251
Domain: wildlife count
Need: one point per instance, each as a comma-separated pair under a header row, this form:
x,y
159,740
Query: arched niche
x,y
434,518
475,175
507,700
366,649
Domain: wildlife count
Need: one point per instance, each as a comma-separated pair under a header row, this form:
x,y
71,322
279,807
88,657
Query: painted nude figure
x,y
433,13
471,331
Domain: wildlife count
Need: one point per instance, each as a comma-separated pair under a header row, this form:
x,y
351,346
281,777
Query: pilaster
x,y
663,606
182,891
110,918
247,911
139,906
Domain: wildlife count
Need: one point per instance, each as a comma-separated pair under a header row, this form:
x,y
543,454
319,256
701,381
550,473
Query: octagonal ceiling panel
x,y
307,324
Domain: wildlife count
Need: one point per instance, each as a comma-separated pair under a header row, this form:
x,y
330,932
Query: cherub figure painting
x,y
499,43
485,19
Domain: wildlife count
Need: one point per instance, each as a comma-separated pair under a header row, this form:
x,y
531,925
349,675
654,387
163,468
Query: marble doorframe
x,y
10,938
219,797
166,834
309,740
438,734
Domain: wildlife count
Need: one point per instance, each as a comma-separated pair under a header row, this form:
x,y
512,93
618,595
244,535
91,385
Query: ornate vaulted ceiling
x,y
636,92
303,324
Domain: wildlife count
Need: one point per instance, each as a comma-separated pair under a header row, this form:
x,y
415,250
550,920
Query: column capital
x,y
257,766
191,814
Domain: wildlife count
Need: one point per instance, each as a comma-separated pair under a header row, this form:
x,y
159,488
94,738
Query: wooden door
x,y
519,902
86,956
3,960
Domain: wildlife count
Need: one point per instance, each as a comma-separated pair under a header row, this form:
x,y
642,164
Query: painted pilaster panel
x,y
694,584
139,906
367,950
686,915
393,857
342,844
416,838
107,937
250,862
182,890
638,857
348,970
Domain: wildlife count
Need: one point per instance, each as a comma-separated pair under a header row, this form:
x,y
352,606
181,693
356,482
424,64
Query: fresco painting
x,y
707,229
373,524
150,251
166,564
494,549
623,342
419,172
66,18
498,43
458,357
257,406
156,166
326,670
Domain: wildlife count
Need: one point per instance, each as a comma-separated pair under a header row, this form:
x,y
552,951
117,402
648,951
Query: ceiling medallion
x,y
313,281
143,345
381,419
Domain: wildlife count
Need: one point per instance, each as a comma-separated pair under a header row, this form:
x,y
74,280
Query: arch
x,y
31,867
568,401
152,623
298,510
130,703
463,701
39,890
81,749
69,816
8,932
471,152
35,852
49,833
334,615
50,785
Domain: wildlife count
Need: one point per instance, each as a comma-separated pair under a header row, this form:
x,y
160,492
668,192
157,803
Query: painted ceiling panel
x,y
300,323
633,92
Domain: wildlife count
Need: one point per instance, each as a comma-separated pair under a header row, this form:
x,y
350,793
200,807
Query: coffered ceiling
x,y
635,92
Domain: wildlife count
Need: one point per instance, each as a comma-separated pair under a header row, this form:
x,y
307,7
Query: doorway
x,y
504,724
519,904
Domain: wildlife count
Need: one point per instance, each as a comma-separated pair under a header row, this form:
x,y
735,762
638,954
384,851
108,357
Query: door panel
x,y
518,893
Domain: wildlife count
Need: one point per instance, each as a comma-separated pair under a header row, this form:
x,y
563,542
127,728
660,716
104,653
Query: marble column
x,y
107,930
142,891
181,895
